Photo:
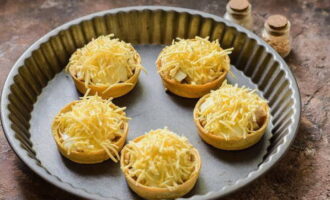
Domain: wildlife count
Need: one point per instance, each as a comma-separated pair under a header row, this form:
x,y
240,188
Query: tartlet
x,y
231,118
105,66
191,68
149,176
84,142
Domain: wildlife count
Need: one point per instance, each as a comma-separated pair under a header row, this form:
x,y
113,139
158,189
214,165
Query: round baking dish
x,y
37,87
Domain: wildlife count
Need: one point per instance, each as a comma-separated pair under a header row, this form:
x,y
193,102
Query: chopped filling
x,y
92,124
194,61
232,111
105,61
161,159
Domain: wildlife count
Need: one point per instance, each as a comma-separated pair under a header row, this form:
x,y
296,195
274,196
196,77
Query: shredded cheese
x,y
161,159
193,61
232,111
92,124
104,61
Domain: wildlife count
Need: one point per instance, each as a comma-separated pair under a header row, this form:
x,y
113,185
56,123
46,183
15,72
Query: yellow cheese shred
x,y
161,159
105,61
92,124
232,111
195,61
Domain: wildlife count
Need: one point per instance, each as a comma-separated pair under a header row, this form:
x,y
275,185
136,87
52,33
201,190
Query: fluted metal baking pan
x,y
37,87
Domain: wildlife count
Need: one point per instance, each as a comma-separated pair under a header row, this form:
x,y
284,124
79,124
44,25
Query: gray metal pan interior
x,y
37,87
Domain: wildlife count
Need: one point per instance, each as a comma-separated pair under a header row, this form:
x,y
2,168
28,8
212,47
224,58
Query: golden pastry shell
x,y
82,157
115,91
162,193
189,90
232,143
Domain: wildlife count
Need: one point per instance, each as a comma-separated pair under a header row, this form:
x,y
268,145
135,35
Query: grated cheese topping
x,y
232,111
104,61
193,61
92,124
161,159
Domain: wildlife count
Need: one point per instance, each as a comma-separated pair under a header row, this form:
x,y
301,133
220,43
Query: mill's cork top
x,y
277,21
239,5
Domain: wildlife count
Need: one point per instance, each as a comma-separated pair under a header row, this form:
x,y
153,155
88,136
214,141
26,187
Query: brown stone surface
x,y
303,173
